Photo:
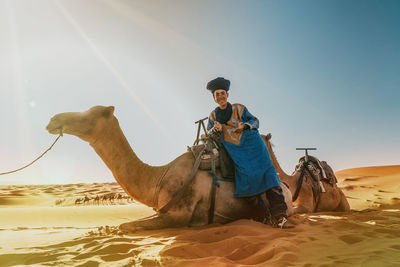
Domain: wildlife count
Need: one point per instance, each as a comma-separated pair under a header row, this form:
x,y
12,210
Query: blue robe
x,y
254,171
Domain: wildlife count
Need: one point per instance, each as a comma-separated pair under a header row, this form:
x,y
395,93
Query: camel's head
x,y
81,124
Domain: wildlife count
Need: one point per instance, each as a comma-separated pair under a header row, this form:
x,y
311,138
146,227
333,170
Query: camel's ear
x,y
268,137
108,111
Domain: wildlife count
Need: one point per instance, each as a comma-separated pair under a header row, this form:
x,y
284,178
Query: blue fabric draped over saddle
x,y
254,171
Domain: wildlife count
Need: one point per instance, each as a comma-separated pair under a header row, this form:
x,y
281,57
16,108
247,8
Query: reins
x,y
4,173
300,183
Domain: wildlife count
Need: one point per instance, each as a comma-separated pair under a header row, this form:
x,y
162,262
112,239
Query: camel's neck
x,y
275,161
282,175
136,178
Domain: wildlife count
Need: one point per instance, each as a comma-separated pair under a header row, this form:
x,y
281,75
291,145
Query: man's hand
x,y
242,127
217,126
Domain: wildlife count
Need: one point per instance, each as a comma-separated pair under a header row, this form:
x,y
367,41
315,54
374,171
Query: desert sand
x,y
45,225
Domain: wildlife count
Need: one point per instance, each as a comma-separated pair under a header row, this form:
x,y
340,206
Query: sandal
x,y
283,223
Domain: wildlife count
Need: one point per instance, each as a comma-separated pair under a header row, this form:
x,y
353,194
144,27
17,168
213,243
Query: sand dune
x,y
371,187
42,225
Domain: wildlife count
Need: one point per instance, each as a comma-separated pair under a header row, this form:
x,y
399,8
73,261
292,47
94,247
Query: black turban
x,y
217,84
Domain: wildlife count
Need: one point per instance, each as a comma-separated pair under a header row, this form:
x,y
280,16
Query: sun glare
x,y
19,88
110,67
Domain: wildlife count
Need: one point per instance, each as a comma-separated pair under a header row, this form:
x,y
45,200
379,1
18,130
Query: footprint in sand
x,y
384,191
357,179
351,239
395,247
350,187
352,197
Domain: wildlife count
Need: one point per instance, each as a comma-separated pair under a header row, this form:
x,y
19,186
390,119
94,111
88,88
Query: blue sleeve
x,y
210,123
249,119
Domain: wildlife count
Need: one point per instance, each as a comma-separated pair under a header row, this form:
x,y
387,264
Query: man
x,y
254,171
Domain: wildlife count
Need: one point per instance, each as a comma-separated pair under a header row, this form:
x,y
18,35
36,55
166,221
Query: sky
x,y
322,74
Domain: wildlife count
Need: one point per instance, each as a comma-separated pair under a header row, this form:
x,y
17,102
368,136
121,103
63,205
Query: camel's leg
x,y
158,222
175,217
344,204
305,202
288,199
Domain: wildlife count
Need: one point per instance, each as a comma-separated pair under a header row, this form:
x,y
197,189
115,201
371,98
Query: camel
x,y
104,198
109,197
78,201
97,200
155,186
86,199
119,198
332,200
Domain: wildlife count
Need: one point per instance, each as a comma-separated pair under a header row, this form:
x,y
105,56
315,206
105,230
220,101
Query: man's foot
x,y
283,223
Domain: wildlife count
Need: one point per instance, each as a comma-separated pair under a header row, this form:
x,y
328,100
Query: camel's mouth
x,y
54,129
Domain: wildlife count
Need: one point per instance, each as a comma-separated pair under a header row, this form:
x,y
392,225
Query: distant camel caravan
x,y
108,198
155,186
331,200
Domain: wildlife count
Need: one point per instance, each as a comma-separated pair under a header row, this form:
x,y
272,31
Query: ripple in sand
x,y
392,210
358,178
327,217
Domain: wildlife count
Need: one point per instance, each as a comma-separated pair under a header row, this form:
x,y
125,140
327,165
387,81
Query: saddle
x,y
214,152
209,155
320,170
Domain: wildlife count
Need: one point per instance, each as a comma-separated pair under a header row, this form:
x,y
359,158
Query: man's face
x,y
221,97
